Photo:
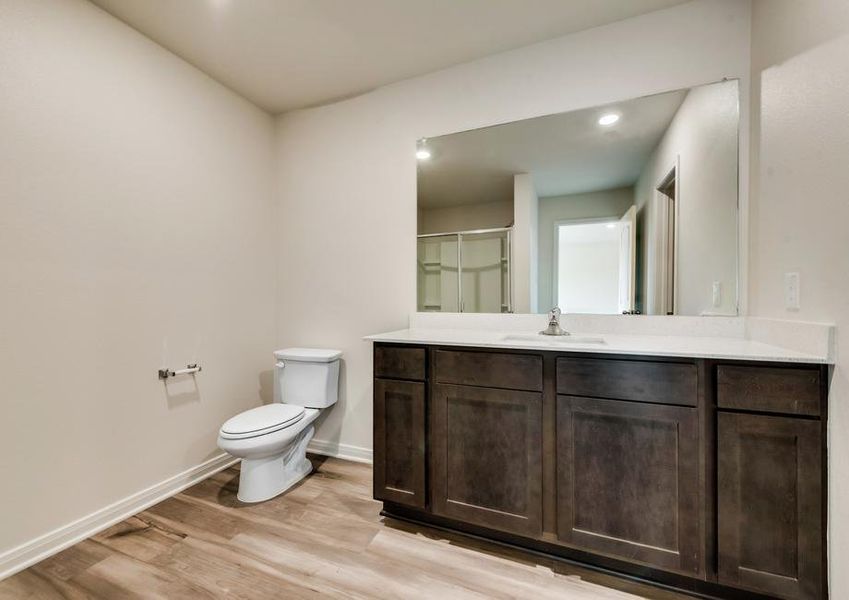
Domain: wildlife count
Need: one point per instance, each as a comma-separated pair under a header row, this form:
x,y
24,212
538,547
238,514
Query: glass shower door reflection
x,y
464,272
484,272
438,274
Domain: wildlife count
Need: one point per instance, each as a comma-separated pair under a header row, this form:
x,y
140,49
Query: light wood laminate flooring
x,y
323,538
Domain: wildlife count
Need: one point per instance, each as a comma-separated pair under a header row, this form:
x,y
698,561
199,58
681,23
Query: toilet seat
x,y
261,421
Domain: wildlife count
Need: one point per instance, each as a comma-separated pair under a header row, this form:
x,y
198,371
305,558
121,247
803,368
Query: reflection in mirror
x,y
625,208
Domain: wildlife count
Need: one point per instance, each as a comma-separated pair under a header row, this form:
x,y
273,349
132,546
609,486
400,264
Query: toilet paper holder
x,y
189,370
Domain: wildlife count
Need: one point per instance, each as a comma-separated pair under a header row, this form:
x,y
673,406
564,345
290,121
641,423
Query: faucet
x,y
554,323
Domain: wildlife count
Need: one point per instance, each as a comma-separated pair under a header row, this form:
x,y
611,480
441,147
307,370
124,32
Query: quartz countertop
x,y
726,348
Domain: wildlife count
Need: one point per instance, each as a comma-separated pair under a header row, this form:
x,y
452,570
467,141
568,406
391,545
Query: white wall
x,y
482,215
800,52
593,205
347,241
135,232
702,142
524,244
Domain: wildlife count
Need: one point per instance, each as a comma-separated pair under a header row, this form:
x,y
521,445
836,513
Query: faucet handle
x,y
554,314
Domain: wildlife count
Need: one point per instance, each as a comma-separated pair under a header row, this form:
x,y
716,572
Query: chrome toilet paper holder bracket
x,y
189,370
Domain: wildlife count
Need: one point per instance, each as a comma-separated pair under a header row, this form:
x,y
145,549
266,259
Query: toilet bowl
x,y
272,440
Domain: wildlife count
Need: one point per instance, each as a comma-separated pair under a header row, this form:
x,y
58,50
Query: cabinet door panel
x,y
487,457
628,481
770,504
399,442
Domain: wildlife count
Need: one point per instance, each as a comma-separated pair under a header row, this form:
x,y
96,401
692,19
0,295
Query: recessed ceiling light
x,y
422,153
608,119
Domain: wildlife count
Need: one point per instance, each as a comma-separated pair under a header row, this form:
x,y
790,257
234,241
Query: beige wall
x,y
483,215
702,142
800,51
347,241
592,205
135,232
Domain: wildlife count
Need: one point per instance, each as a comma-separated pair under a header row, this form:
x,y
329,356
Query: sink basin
x,y
553,340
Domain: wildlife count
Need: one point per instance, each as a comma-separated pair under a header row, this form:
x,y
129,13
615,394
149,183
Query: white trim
x,y
343,451
662,224
42,547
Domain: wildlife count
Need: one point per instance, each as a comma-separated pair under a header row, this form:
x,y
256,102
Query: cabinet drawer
x,y
638,381
490,369
769,389
399,362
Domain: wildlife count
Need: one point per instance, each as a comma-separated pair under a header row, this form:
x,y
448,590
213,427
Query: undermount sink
x,y
553,340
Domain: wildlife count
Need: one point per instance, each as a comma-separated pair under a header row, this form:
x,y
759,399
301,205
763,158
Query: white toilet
x,y
272,440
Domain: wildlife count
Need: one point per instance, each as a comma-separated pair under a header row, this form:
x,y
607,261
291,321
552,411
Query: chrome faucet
x,y
554,323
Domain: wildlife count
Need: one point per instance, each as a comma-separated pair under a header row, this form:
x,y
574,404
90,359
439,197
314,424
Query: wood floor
x,y
323,538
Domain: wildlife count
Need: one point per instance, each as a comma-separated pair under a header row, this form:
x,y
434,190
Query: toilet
x,y
272,440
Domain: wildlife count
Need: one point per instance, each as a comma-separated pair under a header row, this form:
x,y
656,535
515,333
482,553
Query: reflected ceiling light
x,y
608,119
611,225
422,153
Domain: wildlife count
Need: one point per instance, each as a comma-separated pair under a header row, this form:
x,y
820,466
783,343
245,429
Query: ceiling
x,y
288,54
566,153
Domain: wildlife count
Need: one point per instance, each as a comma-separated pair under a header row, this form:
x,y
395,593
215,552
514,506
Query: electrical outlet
x,y
717,294
791,290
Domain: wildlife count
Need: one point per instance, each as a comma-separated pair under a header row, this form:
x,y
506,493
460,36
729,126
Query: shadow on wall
x,y
266,386
181,391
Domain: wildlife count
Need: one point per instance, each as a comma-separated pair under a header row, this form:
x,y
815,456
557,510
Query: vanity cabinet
x,y
628,480
702,475
771,485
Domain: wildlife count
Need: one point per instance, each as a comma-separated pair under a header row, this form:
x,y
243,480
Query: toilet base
x,y
264,478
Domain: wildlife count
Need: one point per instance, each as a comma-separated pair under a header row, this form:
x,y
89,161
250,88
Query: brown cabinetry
x,y
705,475
770,504
628,480
486,452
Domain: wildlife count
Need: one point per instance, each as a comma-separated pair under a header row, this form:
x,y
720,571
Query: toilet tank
x,y
307,377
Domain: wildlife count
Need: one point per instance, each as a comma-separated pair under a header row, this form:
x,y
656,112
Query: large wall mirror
x,y
627,208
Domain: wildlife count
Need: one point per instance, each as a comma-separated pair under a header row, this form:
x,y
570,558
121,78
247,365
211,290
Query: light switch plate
x,y
791,290
717,294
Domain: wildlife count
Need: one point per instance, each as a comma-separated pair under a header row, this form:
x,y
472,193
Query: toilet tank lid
x,y
308,354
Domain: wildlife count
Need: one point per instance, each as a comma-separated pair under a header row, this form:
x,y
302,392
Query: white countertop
x,y
729,348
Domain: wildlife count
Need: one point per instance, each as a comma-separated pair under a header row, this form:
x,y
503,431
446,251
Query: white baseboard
x,y
31,552
343,451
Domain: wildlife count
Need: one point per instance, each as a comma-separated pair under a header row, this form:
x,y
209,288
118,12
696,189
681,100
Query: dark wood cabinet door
x,y
486,457
399,442
770,504
628,481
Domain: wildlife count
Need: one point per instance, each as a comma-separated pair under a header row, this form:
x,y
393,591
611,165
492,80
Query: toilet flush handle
x,y
280,364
